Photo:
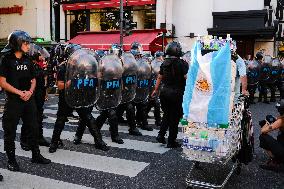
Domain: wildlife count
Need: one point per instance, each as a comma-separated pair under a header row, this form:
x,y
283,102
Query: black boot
x,y
135,132
55,145
161,139
101,146
43,142
146,127
121,120
158,123
38,158
12,163
1,177
117,140
79,132
25,146
95,132
173,145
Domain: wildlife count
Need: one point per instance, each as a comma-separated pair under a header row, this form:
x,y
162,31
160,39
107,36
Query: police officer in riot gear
x,y
17,78
265,71
107,109
110,94
129,79
39,94
253,79
274,77
64,109
173,75
141,107
155,102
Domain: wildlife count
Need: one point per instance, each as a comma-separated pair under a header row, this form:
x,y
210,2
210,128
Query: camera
x,y
269,118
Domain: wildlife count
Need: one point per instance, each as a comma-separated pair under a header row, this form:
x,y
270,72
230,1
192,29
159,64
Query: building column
x,y
160,12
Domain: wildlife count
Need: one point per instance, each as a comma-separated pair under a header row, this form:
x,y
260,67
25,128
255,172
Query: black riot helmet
x,y
15,41
115,49
136,49
174,49
280,107
259,56
159,54
70,48
100,53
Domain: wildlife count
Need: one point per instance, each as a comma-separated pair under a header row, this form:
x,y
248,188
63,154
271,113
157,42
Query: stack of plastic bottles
x,y
210,143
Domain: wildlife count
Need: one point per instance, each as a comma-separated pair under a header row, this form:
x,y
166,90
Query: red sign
x,y
106,4
16,9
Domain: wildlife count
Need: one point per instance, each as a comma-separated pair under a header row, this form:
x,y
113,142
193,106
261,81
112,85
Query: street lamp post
x,y
121,23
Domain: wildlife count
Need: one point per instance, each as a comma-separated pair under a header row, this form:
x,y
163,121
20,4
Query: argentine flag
x,y
208,87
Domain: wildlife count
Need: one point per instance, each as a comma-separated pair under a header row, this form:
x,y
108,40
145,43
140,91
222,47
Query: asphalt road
x,y
139,163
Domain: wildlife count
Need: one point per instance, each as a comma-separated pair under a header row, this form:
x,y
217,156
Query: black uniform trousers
x,y
141,115
130,114
15,108
252,89
154,102
171,104
86,118
109,114
280,86
39,96
263,87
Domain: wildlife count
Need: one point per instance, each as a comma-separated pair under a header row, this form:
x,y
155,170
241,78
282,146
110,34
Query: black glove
x,y
270,118
262,123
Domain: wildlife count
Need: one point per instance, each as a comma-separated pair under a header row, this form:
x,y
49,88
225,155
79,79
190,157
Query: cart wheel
x,y
238,170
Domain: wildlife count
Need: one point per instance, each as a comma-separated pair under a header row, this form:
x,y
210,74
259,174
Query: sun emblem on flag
x,y
203,85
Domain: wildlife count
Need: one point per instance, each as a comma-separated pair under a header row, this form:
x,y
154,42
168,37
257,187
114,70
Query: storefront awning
x,y
106,4
151,40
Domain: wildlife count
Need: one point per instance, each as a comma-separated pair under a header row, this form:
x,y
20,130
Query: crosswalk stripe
x,y
19,180
122,129
128,144
88,161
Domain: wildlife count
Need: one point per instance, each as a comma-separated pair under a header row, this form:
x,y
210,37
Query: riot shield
x,y
110,82
34,49
81,79
253,72
129,77
143,80
275,70
155,65
187,57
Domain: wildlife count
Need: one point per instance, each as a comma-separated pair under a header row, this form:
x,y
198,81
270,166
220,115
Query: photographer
x,y
274,147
